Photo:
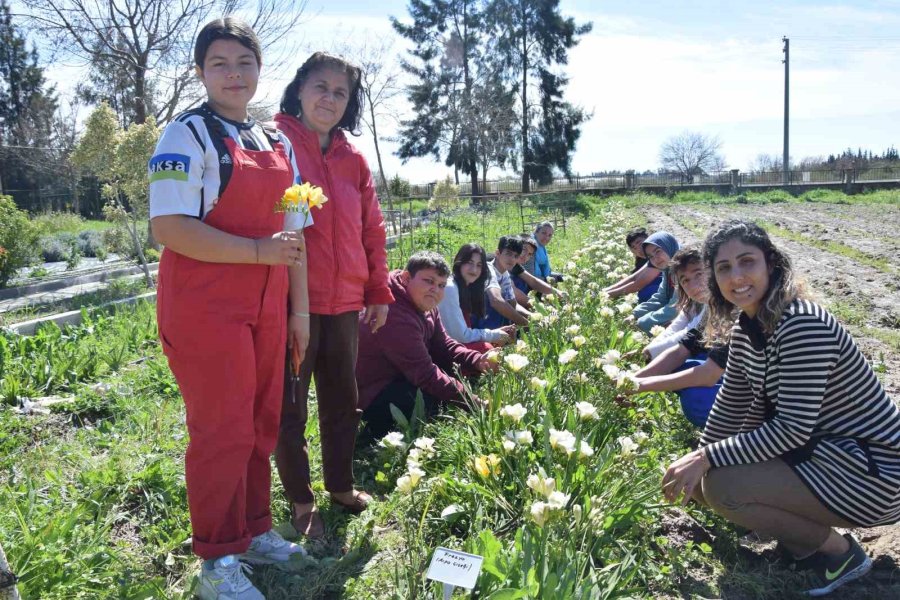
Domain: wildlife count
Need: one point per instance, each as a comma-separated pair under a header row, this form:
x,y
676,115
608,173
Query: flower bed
x,y
556,483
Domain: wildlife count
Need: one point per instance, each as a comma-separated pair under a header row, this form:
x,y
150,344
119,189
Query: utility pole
x,y
785,161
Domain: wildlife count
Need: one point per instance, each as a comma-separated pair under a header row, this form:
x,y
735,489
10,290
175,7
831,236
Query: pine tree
x,y
534,39
447,37
27,107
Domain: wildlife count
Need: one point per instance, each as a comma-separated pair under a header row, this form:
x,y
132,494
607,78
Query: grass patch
x,y
889,337
51,223
831,246
116,290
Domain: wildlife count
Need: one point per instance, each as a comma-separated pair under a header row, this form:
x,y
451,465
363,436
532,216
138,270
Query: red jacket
x,y
411,345
347,263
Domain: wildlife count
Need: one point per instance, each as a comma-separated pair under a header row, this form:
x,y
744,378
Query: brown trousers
x,y
769,498
331,357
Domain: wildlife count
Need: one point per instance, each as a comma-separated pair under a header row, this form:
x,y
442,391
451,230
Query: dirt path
x,y
835,278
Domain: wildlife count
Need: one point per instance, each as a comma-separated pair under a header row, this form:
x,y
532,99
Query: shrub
x,y
398,187
73,259
56,247
90,242
17,238
445,195
38,272
152,255
117,240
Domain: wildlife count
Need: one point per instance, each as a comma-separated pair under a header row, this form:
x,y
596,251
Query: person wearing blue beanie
x,y
660,309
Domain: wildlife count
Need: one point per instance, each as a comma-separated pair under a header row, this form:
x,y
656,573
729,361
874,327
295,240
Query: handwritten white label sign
x,y
454,568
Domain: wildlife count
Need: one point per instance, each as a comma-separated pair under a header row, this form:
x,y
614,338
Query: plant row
x,y
556,482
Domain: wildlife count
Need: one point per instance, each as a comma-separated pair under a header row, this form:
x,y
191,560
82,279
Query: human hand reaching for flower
x,y
684,475
485,364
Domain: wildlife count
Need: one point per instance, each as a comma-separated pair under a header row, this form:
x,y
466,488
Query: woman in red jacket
x,y
347,272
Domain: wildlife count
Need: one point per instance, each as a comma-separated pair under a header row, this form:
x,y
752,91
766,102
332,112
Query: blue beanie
x,y
664,240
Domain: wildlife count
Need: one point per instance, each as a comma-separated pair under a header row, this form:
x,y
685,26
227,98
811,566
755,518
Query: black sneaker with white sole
x,y
831,572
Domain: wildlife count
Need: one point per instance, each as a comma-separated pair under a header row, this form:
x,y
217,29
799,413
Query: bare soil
x,y
834,279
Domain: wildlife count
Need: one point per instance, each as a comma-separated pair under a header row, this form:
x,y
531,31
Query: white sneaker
x,y
226,581
270,548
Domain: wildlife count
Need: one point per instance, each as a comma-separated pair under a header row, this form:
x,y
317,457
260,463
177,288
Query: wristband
x,y
256,246
302,315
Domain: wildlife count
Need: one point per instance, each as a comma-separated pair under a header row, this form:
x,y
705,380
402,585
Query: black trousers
x,y
401,393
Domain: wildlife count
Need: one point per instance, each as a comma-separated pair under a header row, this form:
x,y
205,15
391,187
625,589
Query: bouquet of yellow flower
x,y
301,197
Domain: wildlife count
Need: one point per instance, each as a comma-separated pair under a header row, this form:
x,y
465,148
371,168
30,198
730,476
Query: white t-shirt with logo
x,y
184,170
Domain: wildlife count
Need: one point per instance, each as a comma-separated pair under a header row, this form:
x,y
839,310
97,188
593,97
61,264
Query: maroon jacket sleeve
x,y
374,240
405,348
447,351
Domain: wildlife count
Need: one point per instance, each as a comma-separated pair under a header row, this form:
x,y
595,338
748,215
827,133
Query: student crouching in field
x,y
500,296
412,352
644,279
464,302
540,264
523,281
660,308
681,362
231,267
802,437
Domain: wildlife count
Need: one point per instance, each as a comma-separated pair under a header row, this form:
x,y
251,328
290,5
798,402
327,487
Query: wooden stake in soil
x,y
9,593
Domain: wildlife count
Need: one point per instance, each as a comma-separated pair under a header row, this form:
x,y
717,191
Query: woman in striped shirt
x,y
802,436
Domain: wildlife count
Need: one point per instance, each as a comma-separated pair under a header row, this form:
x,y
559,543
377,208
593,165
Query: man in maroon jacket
x,y
412,351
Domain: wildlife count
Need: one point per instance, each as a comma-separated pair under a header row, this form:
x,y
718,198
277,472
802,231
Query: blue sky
x,y
651,69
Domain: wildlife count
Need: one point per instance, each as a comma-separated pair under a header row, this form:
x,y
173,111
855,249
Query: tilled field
x,y
847,254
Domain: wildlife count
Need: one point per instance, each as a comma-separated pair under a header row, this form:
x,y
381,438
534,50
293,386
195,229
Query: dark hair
x,y
290,101
636,233
684,258
228,28
510,242
426,259
783,285
471,296
527,238
542,225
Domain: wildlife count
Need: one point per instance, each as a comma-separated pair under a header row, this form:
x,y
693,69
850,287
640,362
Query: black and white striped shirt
x,y
806,394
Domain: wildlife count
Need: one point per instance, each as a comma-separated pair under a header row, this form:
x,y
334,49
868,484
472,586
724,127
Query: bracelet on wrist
x,y
302,315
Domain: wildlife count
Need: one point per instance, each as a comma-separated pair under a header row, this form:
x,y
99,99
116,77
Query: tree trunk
x,y
526,152
131,226
384,183
473,175
140,104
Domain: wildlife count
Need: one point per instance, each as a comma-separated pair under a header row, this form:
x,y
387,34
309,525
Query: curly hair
x,y
290,101
683,259
471,295
784,287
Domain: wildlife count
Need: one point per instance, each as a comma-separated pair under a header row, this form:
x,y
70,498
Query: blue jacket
x,y
541,263
660,308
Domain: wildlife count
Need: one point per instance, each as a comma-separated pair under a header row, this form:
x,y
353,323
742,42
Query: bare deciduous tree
x,y
691,153
381,74
151,41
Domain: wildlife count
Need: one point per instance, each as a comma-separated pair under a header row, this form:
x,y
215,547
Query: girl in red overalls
x,y
230,265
